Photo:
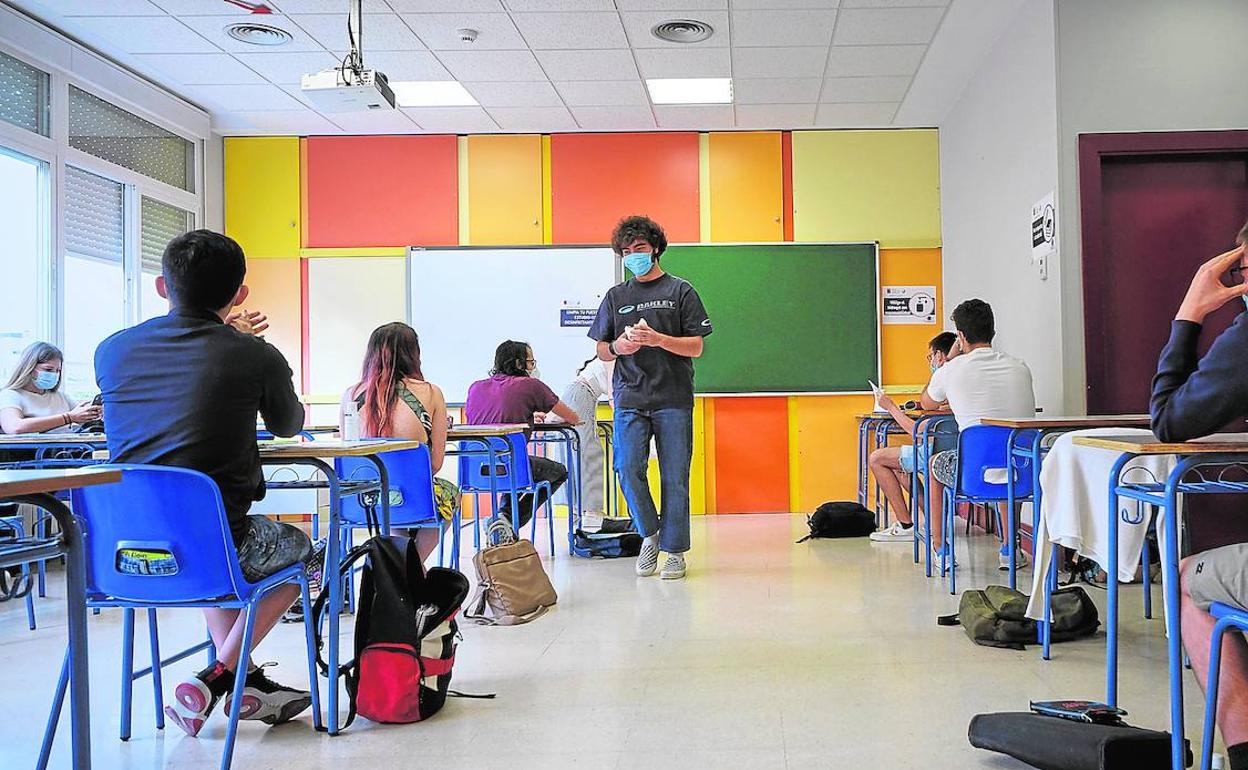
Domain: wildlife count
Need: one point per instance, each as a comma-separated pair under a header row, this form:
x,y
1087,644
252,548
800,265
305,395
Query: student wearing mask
x,y
592,383
515,394
32,401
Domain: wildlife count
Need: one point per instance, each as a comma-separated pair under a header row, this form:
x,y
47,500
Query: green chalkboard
x,y
788,318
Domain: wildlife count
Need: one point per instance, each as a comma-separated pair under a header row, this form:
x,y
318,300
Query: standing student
x,y
515,394
652,326
1194,397
592,382
32,401
184,389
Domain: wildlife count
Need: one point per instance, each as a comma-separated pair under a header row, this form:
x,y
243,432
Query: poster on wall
x,y
910,305
1043,227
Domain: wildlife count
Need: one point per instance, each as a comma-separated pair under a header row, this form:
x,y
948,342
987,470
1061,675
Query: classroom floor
x,y
770,655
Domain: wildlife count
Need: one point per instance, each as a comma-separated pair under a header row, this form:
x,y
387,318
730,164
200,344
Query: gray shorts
x,y
271,546
945,467
1219,575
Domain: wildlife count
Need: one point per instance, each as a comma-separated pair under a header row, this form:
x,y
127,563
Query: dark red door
x,y
1161,215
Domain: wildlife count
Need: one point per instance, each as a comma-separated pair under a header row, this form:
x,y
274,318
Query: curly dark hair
x,y
974,319
942,343
635,228
511,358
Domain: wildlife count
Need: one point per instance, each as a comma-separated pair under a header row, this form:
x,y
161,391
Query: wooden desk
x,y
277,450
457,432
1151,445
1071,423
24,440
37,487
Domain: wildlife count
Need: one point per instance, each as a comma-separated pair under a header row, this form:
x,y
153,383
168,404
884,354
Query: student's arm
x,y
12,422
279,404
689,347
566,413
694,322
900,417
935,394
437,441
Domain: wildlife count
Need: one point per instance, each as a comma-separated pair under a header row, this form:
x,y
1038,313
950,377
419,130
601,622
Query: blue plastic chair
x,y
18,526
932,434
511,475
178,511
1228,617
981,449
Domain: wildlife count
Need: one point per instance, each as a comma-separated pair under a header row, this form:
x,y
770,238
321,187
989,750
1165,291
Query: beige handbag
x,y
511,580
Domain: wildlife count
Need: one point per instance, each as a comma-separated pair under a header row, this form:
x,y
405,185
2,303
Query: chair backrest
x,y
940,431
169,519
983,460
475,469
410,472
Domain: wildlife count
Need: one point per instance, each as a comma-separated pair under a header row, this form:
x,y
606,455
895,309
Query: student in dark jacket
x,y
1192,398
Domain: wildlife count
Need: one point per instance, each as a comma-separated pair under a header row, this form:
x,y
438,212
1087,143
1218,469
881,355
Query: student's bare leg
x,y
1233,681
935,495
226,626
427,542
885,465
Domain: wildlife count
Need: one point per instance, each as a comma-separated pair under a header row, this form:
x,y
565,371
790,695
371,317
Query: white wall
x,y
1137,65
998,156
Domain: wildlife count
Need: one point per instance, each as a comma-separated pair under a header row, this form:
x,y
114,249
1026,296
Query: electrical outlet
x,y
1042,263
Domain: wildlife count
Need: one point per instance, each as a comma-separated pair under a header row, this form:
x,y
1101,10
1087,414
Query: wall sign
x,y
1043,227
910,305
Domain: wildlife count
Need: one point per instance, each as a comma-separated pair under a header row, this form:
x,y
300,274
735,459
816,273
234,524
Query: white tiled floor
x,y
770,655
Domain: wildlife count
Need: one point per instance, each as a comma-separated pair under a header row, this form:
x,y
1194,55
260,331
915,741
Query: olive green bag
x,y
995,617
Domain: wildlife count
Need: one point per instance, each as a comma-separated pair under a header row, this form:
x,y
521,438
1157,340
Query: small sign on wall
x,y
910,305
577,317
1043,233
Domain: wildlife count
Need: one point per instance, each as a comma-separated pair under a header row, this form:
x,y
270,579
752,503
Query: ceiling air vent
x,y
682,31
258,34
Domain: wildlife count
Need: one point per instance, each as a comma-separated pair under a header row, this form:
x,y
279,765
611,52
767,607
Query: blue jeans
x,y
672,430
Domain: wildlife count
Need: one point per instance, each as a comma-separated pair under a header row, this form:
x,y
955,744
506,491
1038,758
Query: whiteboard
x,y
464,301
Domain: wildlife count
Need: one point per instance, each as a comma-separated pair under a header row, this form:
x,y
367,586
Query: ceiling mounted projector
x,y
349,87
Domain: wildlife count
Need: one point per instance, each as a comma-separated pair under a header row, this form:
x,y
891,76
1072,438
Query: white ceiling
x,y
556,65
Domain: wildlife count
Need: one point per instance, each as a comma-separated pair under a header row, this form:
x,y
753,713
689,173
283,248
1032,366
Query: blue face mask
x,y
639,262
46,380
1245,299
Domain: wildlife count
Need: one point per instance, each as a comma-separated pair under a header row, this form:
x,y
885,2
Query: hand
x,y
645,336
1207,293
249,321
886,402
625,346
85,412
539,417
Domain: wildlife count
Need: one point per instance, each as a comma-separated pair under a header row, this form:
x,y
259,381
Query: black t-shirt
x,y
652,378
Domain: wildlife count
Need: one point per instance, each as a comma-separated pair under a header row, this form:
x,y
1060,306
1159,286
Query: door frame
x,y
1093,150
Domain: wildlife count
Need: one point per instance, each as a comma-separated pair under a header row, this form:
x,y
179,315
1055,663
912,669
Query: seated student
x,y
978,382
1191,399
890,465
514,394
32,401
184,389
395,401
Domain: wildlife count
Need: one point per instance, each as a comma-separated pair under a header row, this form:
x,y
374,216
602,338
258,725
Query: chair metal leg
x,y
1211,692
58,700
309,633
30,595
240,681
127,670
1148,583
153,641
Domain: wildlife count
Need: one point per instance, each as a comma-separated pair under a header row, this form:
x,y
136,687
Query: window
x,y
106,131
93,280
159,224
24,222
24,93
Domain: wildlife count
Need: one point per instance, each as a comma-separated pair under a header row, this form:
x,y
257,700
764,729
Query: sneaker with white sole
x,y
648,559
268,701
673,567
1021,559
898,533
193,701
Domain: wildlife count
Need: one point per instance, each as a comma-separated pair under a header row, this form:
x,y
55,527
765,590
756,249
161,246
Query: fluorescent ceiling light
x,y
431,93
690,90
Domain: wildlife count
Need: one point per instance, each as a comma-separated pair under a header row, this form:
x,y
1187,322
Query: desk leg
x,y
384,477
1009,507
1111,587
1174,640
333,558
862,463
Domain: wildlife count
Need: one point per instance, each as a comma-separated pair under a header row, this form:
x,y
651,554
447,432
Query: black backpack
x,y
840,520
995,617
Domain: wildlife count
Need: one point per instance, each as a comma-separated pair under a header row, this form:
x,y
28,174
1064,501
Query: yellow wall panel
x,y
262,201
867,186
274,290
504,190
824,448
746,187
903,347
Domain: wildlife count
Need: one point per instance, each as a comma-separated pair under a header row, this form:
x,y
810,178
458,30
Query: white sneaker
x,y
1021,559
898,533
674,567
648,559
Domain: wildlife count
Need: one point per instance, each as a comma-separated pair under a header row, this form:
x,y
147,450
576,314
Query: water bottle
x,y
351,422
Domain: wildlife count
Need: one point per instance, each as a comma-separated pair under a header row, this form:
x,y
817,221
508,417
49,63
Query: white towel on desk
x,y
1074,483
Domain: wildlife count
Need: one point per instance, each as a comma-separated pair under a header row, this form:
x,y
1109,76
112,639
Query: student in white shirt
x,y
32,402
979,382
593,381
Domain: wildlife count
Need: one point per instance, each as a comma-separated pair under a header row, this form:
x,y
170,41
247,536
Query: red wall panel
x,y
751,455
366,191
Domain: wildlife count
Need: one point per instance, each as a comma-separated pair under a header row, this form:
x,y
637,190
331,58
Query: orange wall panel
x,y
274,290
598,179
747,197
903,347
504,190
824,448
365,191
751,455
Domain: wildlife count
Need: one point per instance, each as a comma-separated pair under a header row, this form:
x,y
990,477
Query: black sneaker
x,y
268,701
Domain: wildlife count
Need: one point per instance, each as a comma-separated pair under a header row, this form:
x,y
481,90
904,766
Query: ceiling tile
x,y
571,31
288,67
700,117
776,90
588,65
539,94
533,119
560,5
845,115
382,32
782,28
374,122
639,23
796,62
254,98
891,3
181,8
145,34
604,93
684,62
437,30
480,66
213,28
110,8
672,5
859,61
296,122
614,118
768,5
452,120
875,26
447,6
200,68
406,65
889,89
775,116
309,6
